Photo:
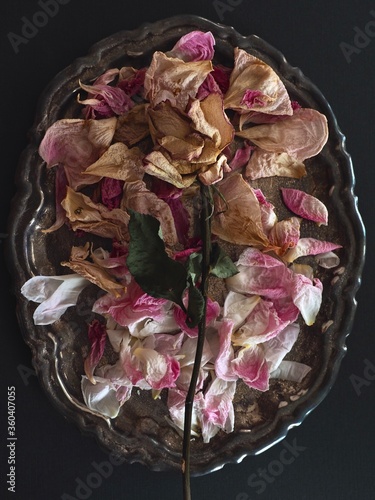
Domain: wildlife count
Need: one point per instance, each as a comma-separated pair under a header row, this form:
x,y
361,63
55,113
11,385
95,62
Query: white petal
x,y
291,370
100,397
277,348
328,260
237,307
54,306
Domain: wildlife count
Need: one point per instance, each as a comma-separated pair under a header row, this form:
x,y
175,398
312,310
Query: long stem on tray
x,y
205,223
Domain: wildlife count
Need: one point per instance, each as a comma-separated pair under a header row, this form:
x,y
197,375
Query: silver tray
x,y
142,432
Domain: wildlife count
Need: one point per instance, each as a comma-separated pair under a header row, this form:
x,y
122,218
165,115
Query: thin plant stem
x,y
205,224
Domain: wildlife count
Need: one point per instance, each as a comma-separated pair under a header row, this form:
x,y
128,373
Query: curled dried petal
x,y
255,85
76,144
194,46
171,79
309,246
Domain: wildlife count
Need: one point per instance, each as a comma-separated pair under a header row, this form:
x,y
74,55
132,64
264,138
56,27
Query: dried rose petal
x,y
238,219
76,144
111,192
309,246
301,135
251,366
194,46
171,79
97,334
305,205
95,218
284,235
93,271
255,85
241,156
264,164
118,162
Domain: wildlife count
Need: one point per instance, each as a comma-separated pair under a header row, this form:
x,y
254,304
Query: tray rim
x,y
20,269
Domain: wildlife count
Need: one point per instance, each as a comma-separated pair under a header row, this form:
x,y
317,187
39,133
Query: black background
x,y
338,437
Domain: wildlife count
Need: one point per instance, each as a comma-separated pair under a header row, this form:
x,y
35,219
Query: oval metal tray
x,y
142,431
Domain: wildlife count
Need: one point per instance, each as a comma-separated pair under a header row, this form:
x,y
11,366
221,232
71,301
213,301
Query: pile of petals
x,y
146,139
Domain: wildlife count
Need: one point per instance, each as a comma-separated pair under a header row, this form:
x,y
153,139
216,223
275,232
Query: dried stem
x,y
205,224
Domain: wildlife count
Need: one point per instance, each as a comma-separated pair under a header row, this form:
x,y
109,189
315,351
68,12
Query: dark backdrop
x,y
337,440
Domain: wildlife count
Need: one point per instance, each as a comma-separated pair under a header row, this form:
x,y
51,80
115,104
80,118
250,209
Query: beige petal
x,y
93,272
171,79
189,149
119,162
165,120
214,173
137,197
95,218
158,165
132,127
238,218
251,73
209,119
264,164
301,136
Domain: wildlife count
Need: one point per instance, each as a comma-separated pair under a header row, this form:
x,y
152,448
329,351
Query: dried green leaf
x,y
155,272
195,309
222,265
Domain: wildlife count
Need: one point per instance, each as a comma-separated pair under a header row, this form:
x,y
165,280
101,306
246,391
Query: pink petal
x,y
251,366
171,79
241,156
114,261
216,410
97,336
253,98
132,84
222,75
269,164
267,211
305,205
133,307
213,311
307,296
237,307
105,101
260,274
209,86
223,367
111,192
285,234
159,371
309,246
262,324
254,84
76,144
194,46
